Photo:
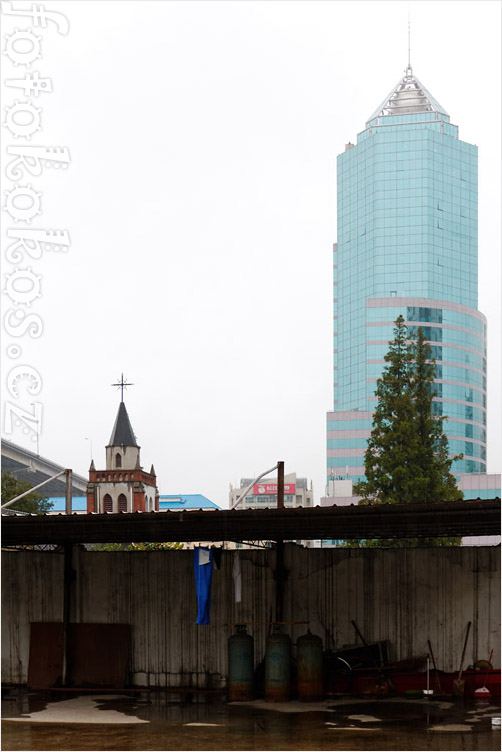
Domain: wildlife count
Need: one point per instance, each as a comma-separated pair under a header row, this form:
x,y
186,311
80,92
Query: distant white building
x,y
473,486
263,494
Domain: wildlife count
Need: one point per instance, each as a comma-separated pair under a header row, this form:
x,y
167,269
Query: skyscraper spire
x,y
409,41
407,97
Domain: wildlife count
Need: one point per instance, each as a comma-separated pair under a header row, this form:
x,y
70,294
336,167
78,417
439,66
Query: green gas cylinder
x,y
309,659
240,665
277,666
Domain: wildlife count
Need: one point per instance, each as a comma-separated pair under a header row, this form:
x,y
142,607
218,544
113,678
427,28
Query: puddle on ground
x,y
341,724
352,728
364,718
82,709
451,727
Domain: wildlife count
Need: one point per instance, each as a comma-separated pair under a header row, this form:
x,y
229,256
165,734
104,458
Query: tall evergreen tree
x,y
434,479
406,460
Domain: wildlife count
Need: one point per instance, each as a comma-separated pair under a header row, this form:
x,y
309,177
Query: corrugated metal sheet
x,y
405,596
449,518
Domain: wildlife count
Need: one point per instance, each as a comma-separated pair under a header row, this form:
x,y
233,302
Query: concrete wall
x,y
404,596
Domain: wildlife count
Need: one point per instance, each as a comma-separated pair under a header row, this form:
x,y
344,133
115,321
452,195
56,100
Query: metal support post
x,y
279,567
280,485
69,475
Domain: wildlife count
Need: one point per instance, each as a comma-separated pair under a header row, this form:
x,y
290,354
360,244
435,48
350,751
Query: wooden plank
x,y
99,654
45,665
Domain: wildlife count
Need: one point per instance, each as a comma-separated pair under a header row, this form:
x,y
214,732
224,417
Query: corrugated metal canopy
x,y
461,518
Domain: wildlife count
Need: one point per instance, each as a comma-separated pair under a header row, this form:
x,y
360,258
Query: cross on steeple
x,y
122,384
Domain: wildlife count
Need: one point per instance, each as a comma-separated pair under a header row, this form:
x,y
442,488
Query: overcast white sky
x,y
201,205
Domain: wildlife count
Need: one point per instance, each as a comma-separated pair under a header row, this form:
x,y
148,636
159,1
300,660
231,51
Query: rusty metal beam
x,y
280,485
461,518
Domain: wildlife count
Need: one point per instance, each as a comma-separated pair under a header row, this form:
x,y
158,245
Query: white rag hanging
x,y
236,574
204,557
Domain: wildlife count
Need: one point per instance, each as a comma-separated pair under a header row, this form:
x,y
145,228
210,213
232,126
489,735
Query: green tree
x,y
406,460
393,444
33,503
434,479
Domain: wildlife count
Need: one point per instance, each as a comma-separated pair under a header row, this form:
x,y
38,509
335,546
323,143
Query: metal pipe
x,y
8,503
243,495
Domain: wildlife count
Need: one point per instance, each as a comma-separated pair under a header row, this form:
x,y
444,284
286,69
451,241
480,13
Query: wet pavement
x,y
156,721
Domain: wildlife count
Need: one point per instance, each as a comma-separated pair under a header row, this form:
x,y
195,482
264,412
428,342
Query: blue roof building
x,y
185,501
166,502
78,504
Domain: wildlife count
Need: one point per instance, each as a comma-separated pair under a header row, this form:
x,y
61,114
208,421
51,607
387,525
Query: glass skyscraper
x,y
407,244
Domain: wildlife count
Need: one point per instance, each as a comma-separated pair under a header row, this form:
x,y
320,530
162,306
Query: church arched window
x,y
118,460
122,503
108,503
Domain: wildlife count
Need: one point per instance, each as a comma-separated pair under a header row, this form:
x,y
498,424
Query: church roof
x,y
407,97
122,434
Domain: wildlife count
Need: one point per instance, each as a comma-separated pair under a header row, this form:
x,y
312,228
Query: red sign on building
x,y
270,489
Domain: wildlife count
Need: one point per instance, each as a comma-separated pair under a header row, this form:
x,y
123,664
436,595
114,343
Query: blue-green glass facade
x,y
407,244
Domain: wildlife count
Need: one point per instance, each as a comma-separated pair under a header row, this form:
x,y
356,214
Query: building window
x,y
118,460
108,503
122,503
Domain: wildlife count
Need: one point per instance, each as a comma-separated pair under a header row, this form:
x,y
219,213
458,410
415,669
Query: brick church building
x,y
123,486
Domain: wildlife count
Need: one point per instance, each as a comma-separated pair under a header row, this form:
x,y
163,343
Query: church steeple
x,y
122,434
124,486
122,451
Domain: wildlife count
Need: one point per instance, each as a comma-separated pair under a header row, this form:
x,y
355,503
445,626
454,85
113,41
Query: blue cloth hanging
x,y
203,569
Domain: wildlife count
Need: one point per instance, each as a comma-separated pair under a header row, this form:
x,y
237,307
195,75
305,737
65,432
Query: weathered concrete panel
x,y
404,596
